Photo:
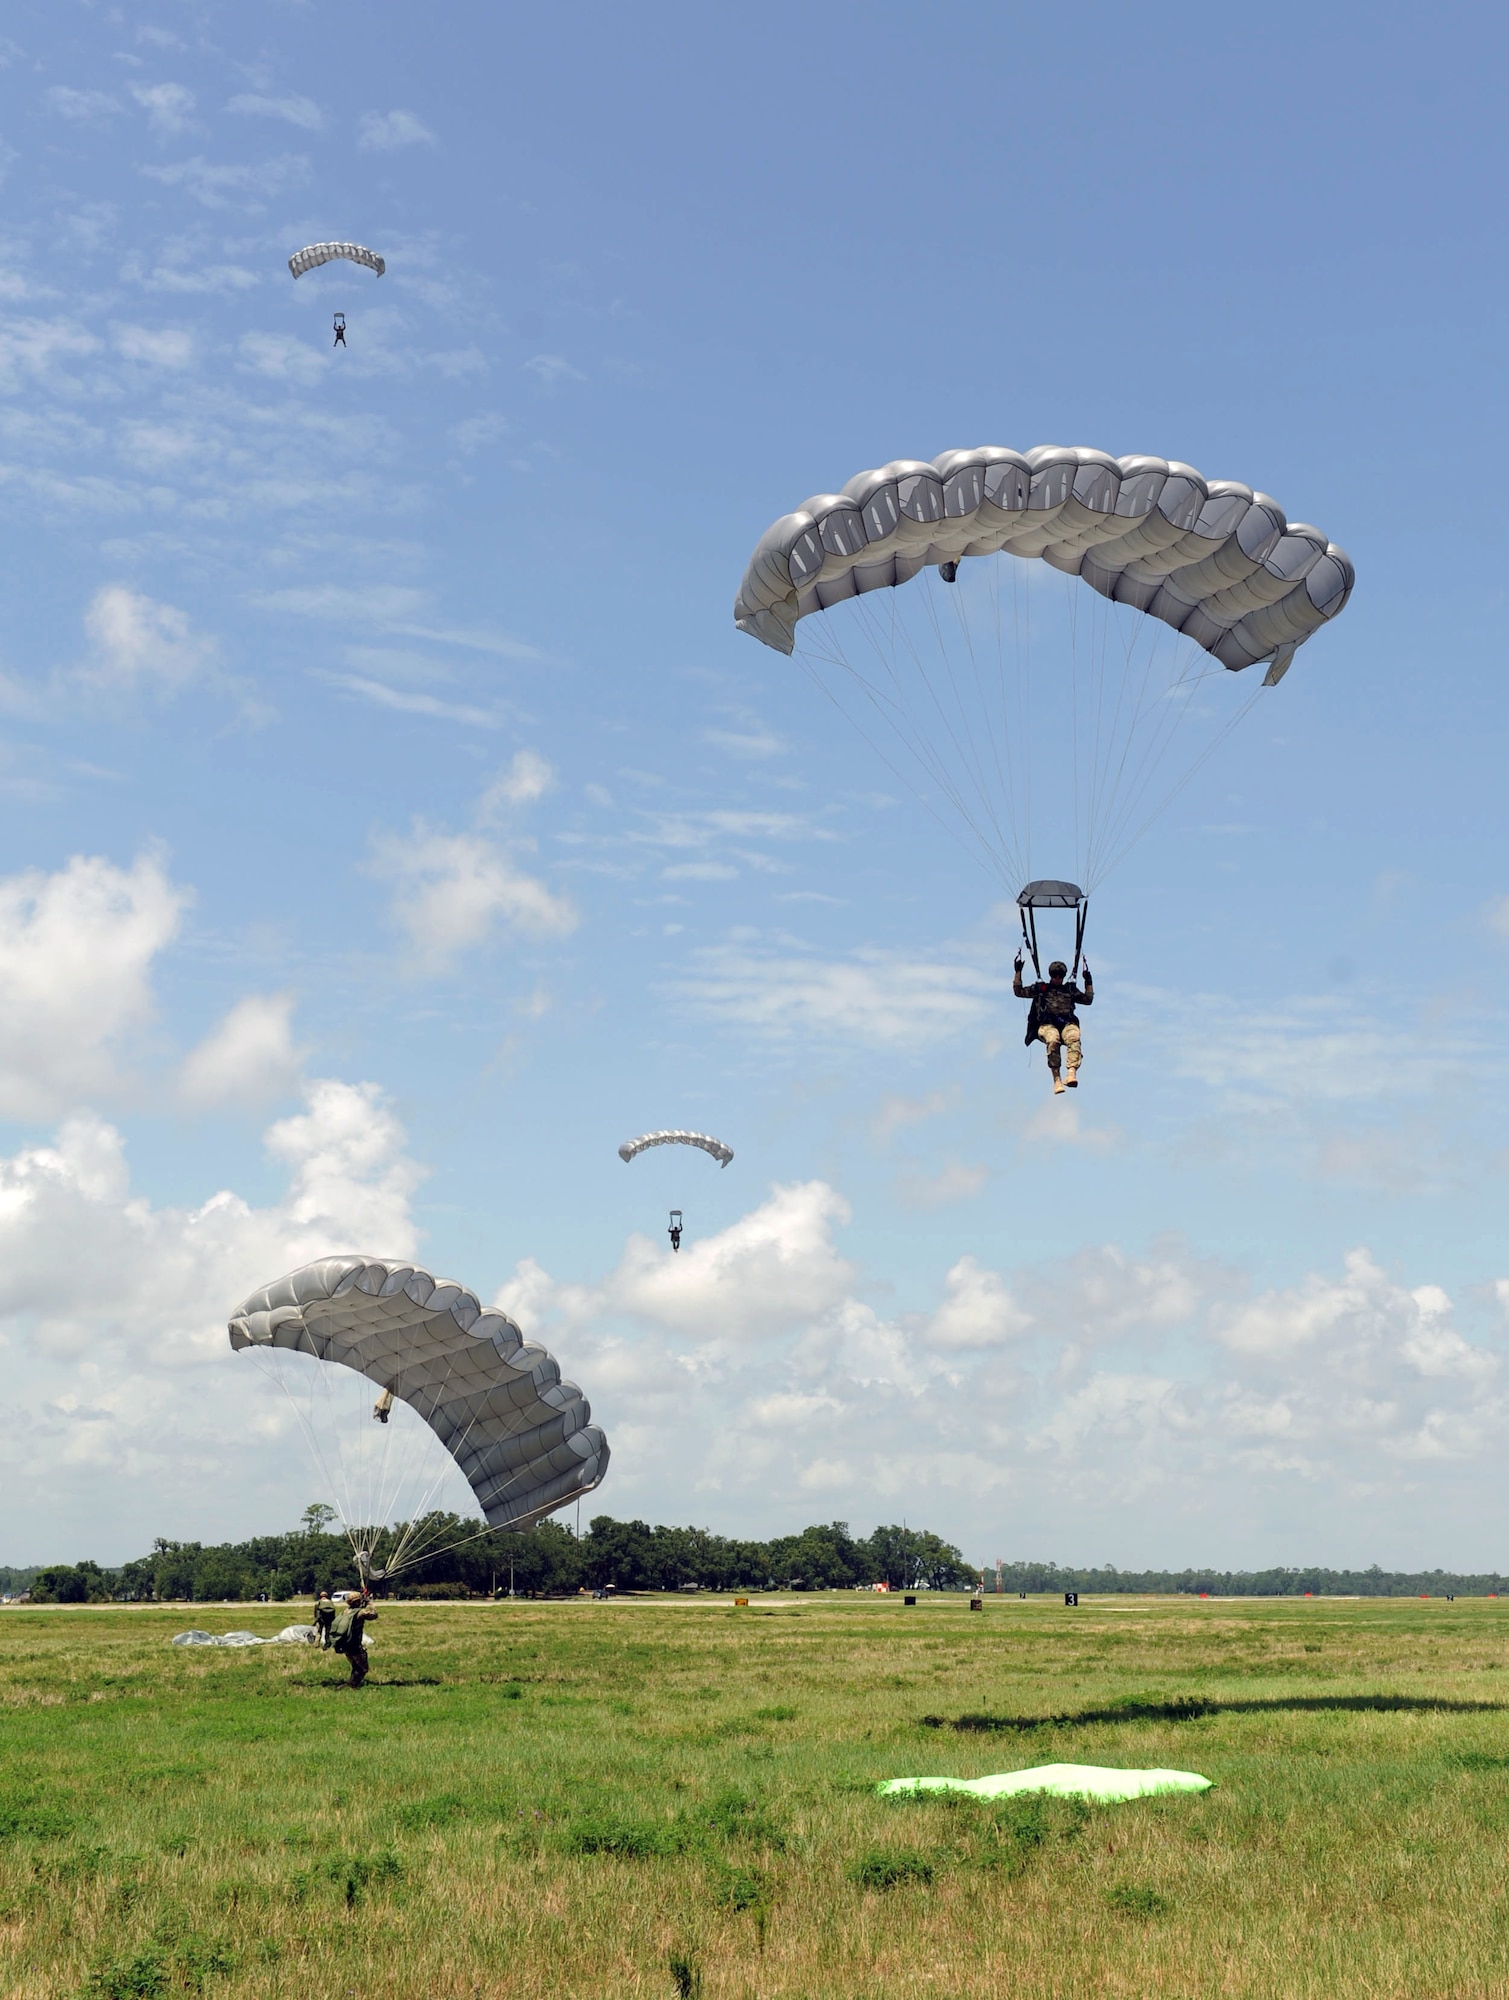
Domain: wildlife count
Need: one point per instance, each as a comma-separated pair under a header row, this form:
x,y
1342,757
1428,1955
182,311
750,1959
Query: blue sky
x,y
394,820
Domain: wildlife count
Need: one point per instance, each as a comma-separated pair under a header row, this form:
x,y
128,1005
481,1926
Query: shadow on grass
x,y
1190,1708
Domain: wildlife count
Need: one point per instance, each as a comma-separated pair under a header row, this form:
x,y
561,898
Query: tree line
x,y
548,1561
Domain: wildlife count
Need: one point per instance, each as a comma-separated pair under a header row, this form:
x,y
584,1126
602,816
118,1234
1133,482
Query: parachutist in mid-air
x,y
340,331
1051,1019
674,1232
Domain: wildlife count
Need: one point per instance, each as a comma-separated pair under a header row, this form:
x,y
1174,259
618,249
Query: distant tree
x,y
317,1517
73,1583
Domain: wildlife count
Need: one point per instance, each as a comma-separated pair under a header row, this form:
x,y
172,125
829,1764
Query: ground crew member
x,y
346,1630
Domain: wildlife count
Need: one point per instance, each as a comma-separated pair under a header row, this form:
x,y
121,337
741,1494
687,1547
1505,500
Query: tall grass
x,y
671,1798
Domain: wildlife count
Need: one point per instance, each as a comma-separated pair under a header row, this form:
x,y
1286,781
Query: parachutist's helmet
x,y
1057,966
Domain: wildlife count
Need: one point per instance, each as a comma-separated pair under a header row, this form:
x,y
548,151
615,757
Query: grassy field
x,y
663,1798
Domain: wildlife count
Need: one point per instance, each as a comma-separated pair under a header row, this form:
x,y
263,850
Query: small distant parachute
x,y
315,254
632,1148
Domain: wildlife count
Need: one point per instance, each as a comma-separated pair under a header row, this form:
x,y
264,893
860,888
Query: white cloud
x,y
977,1309
159,346
953,1183
113,1311
292,109
281,356
879,998
527,778
454,891
472,433
775,1267
76,955
551,369
32,349
249,1058
383,131
214,186
169,106
139,644
81,107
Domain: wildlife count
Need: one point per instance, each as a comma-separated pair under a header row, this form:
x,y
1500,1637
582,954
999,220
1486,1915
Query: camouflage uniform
x,y
1052,1020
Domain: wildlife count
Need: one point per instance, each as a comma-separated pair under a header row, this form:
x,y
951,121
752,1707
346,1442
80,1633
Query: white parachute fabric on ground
x,y
1020,709
1101,1783
521,1436
632,1148
315,254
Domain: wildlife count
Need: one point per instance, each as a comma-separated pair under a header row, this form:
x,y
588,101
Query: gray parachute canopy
x,y
632,1148
315,254
1037,721
521,1436
1212,558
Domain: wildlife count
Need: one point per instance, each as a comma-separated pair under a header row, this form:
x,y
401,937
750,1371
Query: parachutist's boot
x,y
1058,1084
1072,1080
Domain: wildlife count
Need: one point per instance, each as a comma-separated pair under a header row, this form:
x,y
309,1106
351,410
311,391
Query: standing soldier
x,y
346,1631
324,1612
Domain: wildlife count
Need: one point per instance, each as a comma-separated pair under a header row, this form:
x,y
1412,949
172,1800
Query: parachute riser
x,y
1028,916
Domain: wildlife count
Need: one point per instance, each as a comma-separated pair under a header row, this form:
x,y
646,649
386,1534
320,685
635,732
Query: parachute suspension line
x,y
1172,707
1004,789
1199,764
1020,819
835,657
278,1377
890,707
969,749
1074,718
947,783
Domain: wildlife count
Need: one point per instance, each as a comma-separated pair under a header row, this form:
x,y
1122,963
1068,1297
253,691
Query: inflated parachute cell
x,y
632,1148
521,1436
1211,558
315,254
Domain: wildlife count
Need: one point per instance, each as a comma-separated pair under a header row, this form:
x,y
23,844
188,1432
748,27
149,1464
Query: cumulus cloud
x,y
249,1058
141,645
977,1309
455,891
120,1381
1055,1396
76,954
385,131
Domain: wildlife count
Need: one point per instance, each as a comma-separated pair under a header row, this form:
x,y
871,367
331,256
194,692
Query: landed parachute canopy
x,y
315,254
521,1436
632,1148
1100,1782
1051,896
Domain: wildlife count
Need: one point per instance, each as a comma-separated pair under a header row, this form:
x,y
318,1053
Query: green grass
x,y
599,1799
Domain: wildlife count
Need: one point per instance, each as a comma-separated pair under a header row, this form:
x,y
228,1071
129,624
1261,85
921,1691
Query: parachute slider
x,y
949,571
1051,896
383,1405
